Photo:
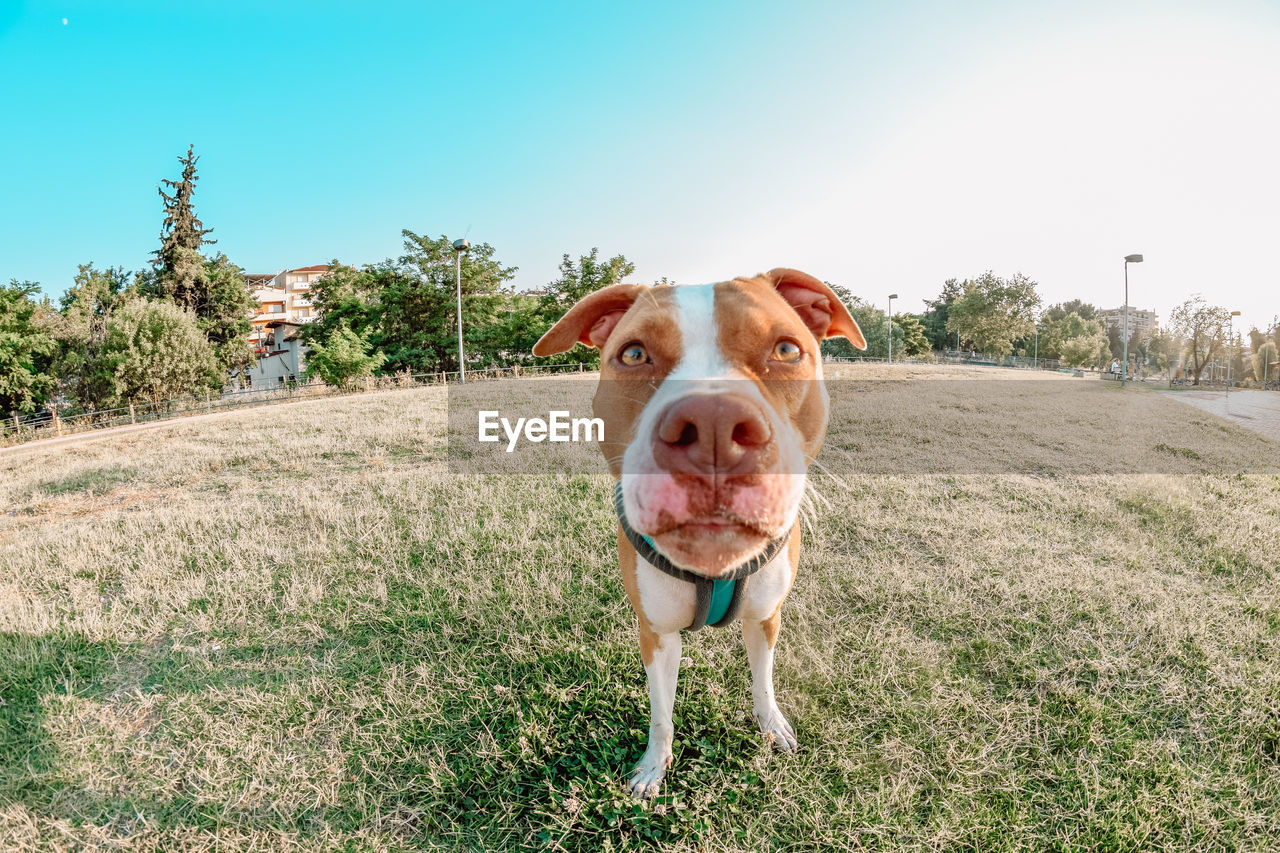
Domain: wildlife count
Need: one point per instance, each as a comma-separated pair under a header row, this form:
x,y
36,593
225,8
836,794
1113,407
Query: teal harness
x,y
717,601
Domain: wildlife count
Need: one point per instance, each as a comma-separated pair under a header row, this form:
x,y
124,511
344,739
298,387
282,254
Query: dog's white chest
x,y
669,602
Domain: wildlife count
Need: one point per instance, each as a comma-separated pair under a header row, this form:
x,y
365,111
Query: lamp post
x,y
1230,332
892,296
460,246
1035,358
1124,368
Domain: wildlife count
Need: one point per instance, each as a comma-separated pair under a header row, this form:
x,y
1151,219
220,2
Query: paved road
x,y
1257,410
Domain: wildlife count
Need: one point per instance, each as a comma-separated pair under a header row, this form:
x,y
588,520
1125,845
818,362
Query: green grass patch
x,y
91,481
385,655
1185,452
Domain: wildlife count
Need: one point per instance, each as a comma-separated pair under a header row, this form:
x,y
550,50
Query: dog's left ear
x,y
818,306
591,320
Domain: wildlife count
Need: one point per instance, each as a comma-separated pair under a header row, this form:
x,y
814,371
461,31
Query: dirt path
x,y
110,432
94,434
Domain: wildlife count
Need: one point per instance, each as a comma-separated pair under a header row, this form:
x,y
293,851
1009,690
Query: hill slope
x,y
297,629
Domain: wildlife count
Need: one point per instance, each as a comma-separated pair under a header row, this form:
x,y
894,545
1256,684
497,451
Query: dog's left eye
x,y
788,351
633,354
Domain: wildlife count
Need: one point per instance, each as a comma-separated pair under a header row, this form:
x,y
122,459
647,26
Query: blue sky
x,y
886,146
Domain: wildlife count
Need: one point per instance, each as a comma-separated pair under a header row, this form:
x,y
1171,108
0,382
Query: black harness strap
x,y
703,586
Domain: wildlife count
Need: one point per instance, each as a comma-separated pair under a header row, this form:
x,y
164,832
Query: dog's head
x,y
713,405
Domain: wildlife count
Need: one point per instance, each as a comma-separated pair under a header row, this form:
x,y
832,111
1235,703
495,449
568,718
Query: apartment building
x,y
283,297
282,359
1139,321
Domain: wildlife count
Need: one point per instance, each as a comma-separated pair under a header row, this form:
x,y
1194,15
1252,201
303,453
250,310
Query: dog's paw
x,y
777,730
647,777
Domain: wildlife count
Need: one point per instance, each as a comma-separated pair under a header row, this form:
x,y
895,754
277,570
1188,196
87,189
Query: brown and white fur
x,y
711,435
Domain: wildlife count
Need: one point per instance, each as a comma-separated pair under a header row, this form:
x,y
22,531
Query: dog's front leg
x,y
663,670
759,638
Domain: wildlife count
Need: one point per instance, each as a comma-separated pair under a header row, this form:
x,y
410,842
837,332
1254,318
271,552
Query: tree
x,y
342,359
914,339
994,312
874,324
1115,341
1070,338
344,297
157,352
224,317
577,279
1080,351
1264,363
1102,358
1162,349
1067,320
181,230
1203,329
1241,365
417,317
587,275
406,308
213,288
83,371
1086,310
26,349
935,319
1256,339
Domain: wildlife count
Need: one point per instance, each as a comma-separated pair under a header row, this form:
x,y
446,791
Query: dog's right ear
x,y
591,321
818,306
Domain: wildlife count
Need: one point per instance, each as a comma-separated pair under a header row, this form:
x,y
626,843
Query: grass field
x,y
297,629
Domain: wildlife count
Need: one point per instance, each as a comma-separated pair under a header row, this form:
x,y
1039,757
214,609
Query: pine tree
x,y
212,288
182,232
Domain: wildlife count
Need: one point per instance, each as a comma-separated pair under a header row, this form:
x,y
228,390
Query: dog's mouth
x,y
718,523
712,545
705,529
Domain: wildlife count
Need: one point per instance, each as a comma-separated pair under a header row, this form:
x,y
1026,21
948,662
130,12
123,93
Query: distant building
x,y
282,358
281,297
1139,321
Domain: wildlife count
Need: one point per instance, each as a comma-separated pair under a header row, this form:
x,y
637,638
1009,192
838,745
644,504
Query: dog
x,y
714,408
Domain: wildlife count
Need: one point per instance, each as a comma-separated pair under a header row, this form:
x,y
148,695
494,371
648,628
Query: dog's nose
x,y
711,434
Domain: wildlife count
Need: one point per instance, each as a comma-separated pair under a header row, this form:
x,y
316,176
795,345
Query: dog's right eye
x,y
787,351
632,355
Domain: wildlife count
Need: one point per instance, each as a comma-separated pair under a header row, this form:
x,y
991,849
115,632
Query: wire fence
x,y
57,421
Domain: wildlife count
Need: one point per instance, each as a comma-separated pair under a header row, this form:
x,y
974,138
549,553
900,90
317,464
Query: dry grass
x,y
296,629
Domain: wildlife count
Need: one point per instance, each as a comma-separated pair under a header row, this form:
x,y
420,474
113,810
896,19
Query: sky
x,y
885,146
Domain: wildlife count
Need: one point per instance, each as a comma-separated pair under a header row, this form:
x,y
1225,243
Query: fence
x,y
957,357
52,423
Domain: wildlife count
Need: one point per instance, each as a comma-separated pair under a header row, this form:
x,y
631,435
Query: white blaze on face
x,y
648,491
700,337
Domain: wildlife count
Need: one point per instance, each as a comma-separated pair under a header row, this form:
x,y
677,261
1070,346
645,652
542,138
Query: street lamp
x,y
1035,358
1124,368
460,246
892,296
1230,325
